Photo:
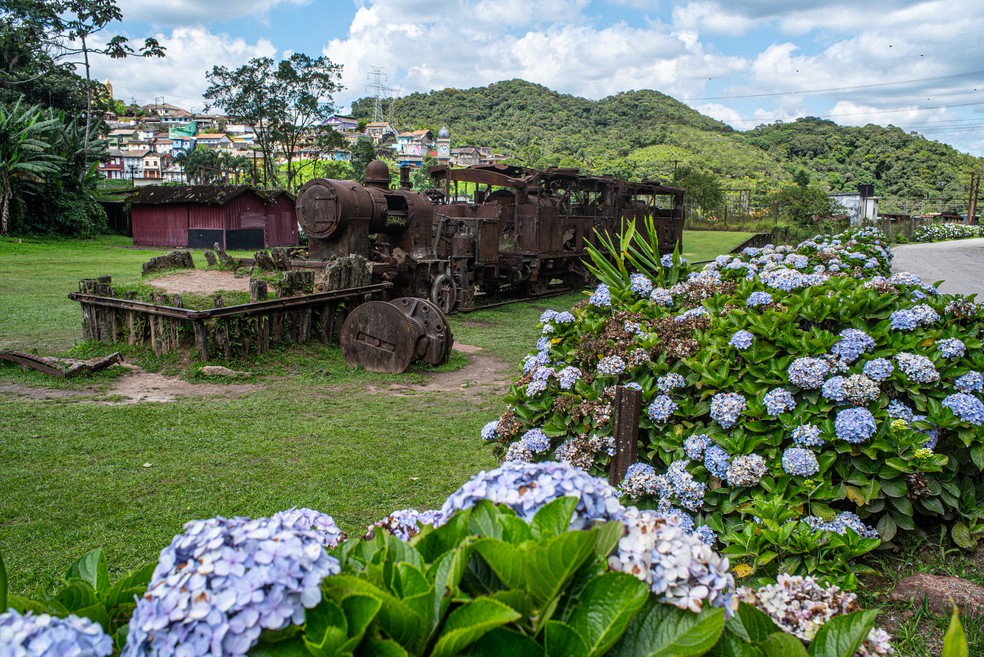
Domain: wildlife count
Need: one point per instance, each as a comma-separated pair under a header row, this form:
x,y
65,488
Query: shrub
x,y
946,231
798,402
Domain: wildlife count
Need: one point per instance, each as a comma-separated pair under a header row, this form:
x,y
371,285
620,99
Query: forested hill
x,y
647,134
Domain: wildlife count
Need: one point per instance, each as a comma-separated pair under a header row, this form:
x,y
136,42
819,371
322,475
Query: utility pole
x,y
377,88
975,188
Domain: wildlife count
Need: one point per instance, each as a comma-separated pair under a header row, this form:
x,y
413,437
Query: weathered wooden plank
x,y
628,404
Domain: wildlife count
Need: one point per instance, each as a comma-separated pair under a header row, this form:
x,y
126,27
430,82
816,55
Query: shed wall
x,y
160,225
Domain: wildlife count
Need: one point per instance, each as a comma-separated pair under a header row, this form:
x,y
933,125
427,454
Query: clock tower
x,y
443,145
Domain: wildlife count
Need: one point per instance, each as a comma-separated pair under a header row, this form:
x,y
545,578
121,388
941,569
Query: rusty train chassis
x,y
521,229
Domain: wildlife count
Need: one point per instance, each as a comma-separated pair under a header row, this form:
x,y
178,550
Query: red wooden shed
x,y
198,216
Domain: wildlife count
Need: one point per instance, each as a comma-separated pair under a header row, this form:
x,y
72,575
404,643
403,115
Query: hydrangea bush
x,y
527,559
946,231
801,404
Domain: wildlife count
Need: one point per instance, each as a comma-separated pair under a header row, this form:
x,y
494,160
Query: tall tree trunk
x,y
88,106
5,213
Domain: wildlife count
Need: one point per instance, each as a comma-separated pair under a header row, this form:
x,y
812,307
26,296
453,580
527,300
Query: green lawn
x,y
699,245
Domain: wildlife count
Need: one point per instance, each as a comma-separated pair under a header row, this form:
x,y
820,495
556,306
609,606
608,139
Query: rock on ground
x,y
940,593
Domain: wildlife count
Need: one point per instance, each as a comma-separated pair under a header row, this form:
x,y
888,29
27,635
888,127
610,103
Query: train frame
x,y
513,227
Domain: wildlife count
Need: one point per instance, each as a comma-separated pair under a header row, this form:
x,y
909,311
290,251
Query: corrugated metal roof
x,y
202,194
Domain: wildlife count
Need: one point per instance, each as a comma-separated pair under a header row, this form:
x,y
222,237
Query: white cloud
x,y
185,12
180,76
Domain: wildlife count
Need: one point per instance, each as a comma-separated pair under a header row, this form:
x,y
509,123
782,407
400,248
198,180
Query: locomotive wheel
x,y
379,337
435,346
444,294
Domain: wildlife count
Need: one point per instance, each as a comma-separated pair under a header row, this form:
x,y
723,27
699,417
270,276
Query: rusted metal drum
x,y
387,337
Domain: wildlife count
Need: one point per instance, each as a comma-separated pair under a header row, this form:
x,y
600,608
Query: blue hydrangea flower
x,y
899,411
541,375
855,425
903,320
808,435
741,340
527,487
666,261
799,462
852,344
535,440
491,430
601,297
699,311
42,635
746,470
695,445
808,373
705,535
661,408
547,316
878,369
568,377
611,366
726,408
717,460
970,382
661,297
225,580
833,389
784,279
918,368
758,299
640,284
407,523
670,381
966,407
932,434
750,251
563,318
951,348
925,315
779,400
842,522
641,481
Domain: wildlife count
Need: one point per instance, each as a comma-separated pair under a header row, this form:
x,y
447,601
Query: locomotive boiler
x,y
480,229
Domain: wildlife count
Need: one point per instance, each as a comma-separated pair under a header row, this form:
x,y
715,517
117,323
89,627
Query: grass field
x,y
78,471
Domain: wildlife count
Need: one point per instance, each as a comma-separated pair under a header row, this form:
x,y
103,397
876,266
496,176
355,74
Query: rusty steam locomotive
x,y
516,227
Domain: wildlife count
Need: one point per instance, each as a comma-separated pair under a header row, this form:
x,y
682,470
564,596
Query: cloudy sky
x,y
918,65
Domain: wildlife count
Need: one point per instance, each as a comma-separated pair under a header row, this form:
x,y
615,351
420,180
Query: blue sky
x,y
918,65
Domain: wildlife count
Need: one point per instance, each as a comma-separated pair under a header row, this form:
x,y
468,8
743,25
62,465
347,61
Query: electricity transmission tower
x,y
378,89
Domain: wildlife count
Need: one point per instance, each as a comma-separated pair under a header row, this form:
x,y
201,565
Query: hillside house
x,y
379,130
217,140
198,216
342,123
112,168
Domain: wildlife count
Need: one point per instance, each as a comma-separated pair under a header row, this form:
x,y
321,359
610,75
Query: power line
x,y
377,88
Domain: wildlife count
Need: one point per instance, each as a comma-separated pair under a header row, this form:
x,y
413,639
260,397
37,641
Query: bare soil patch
x,y
201,281
483,375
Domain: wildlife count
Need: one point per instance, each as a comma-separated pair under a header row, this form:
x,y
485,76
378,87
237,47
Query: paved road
x,y
959,263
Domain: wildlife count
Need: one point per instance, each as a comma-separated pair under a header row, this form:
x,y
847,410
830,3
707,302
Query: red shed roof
x,y
202,194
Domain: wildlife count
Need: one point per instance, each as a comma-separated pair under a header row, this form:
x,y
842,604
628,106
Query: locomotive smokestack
x,y
377,175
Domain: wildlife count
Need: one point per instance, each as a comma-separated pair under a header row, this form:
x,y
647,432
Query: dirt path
x,y
483,375
201,281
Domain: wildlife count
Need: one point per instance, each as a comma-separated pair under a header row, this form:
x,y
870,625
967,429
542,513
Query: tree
x,y
802,203
26,154
363,152
704,190
419,177
280,100
207,166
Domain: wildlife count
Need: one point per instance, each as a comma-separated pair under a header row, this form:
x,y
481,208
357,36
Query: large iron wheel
x,y
444,294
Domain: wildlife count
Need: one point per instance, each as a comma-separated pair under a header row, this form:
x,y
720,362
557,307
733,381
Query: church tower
x,y
443,145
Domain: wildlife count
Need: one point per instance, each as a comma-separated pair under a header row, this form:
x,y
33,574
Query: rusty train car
x,y
515,228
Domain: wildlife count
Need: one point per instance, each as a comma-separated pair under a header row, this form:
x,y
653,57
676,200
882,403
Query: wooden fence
x,y
224,331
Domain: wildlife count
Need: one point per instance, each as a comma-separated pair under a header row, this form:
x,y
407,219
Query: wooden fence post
x,y
628,405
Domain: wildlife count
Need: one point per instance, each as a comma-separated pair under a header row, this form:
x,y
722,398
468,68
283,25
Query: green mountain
x,y
647,134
